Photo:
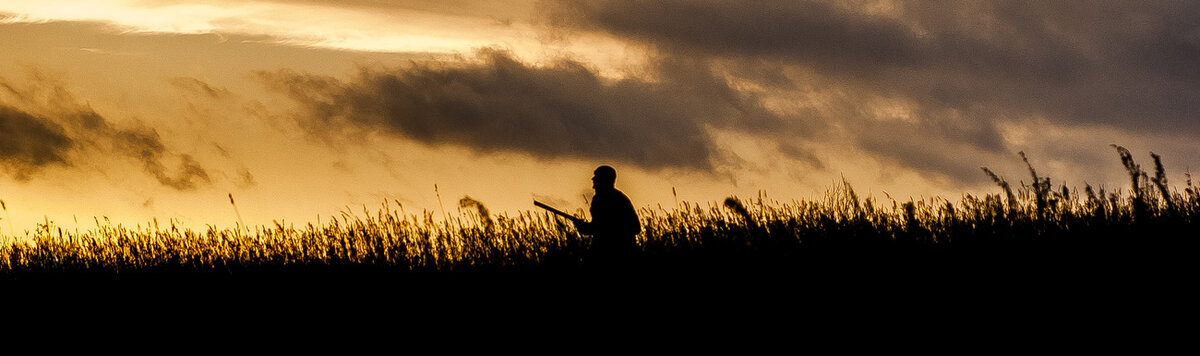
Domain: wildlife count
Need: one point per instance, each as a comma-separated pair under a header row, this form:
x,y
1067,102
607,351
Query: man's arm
x,y
581,225
584,227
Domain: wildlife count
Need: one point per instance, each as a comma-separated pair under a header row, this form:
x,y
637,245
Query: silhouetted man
x,y
614,222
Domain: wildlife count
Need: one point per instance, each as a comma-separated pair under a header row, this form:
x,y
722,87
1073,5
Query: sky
x,y
305,109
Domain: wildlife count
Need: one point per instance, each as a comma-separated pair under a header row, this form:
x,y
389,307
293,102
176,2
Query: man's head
x,y
604,177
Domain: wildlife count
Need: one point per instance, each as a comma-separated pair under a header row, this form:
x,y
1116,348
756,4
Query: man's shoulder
x,y
613,195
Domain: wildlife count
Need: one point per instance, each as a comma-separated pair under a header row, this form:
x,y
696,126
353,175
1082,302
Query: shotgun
x,y
556,211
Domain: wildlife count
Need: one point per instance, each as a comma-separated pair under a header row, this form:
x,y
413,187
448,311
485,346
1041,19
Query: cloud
x,y
146,146
933,157
196,87
563,109
28,142
56,129
247,179
957,68
811,32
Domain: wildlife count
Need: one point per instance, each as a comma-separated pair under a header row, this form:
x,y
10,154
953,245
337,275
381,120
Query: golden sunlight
x,y
349,28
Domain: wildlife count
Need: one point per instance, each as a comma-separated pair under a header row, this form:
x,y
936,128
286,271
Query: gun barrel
x,y
553,210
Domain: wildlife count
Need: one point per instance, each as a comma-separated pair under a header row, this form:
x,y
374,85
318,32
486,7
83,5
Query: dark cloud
x,y
959,66
564,109
64,130
29,142
1113,62
811,32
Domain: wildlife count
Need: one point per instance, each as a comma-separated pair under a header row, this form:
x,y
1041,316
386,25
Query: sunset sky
x,y
135,110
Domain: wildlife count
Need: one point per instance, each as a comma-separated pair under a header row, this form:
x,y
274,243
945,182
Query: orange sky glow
x,y
142,110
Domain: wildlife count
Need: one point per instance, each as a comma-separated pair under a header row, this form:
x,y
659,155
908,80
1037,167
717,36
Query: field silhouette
x,y
1033,230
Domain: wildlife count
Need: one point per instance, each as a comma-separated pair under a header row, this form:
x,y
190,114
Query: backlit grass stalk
x,y
768,230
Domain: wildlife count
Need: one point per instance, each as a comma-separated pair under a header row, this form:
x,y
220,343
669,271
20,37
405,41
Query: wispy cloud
x,y
197,87
55,129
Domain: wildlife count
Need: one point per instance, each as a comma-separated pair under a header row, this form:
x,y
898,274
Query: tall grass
x,y
1032,217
